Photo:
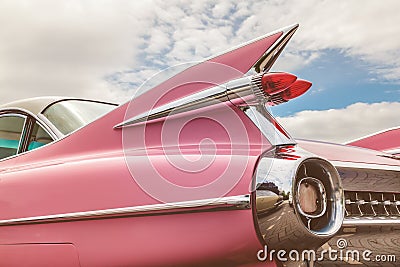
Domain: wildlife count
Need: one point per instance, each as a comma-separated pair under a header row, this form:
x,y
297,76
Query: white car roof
x,y
33,105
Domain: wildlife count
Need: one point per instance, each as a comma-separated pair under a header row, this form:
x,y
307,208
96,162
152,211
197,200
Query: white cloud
x,y
222,9
363,29
74,47
53,48
294,60
341,125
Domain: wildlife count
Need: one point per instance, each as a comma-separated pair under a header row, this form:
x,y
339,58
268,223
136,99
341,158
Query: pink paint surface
x,y
387,140
38,255
87,171
344,153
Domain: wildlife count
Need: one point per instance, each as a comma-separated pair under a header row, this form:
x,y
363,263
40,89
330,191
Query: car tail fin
x,y
260,54
387,140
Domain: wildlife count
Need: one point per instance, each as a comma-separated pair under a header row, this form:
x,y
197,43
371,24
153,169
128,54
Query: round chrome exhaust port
x,y
297,204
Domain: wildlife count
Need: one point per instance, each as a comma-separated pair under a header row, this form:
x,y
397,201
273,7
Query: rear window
x,y
70,115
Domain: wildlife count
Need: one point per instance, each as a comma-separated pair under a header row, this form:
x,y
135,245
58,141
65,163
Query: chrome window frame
x,y
42,125
267,125
50,126
23,132
26,115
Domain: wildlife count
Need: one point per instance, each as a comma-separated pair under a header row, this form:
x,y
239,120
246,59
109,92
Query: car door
x,y
19,133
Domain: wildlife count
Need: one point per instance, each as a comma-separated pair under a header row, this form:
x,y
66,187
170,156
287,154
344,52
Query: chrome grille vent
x,y
372,204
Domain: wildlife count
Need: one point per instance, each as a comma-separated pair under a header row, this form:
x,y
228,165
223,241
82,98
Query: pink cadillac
x,y
193,172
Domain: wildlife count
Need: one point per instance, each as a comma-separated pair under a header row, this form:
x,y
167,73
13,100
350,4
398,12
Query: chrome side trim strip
x,y
370,221
211,96
393,151
268,126
365,166
225,203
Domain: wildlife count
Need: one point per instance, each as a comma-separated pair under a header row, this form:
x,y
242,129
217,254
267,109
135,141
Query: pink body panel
x,y
100,179
169,240
39,183
336,152
62,255
87,171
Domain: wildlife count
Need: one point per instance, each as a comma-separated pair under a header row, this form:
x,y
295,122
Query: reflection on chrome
x,y
267,124
299,200
311,197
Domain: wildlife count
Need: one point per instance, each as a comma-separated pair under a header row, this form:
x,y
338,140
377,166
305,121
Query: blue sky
x,y
103,49
339,81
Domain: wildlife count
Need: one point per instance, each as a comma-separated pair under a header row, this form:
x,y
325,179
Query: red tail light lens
x,y
274,83
298,88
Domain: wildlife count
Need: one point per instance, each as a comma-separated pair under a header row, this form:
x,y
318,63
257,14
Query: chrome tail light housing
x,y
270,88
298,200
